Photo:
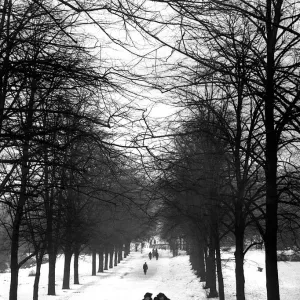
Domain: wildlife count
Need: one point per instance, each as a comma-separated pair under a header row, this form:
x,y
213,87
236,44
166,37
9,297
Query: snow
x,y
255,281
170,275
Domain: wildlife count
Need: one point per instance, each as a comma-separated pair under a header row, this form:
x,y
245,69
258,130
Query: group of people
x,y
154,253
160,296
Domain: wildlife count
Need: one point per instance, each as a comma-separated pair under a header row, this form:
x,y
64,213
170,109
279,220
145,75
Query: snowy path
x,y
172,276
127,281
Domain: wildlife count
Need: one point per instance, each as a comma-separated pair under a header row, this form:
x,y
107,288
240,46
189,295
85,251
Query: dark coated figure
x,y
161,296
148,296
145,268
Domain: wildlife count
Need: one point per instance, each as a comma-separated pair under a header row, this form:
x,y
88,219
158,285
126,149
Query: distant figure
x,y
153,252
161,296
145,268
156,255
150,255
148,296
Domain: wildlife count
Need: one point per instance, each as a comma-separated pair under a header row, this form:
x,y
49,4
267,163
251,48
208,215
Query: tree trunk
x,y
124,247
76,266
219,270
67,267
94,259
202,272
207,268
39,261
111,256
212,269
106,259
127,248
51,274
100,255
14,268
116,256
193,259
239,264
120,254
51,249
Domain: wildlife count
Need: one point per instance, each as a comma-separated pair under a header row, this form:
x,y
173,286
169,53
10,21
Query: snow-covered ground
x,y
255,281
172,276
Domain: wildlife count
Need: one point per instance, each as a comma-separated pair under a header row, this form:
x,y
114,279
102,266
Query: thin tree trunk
x,y
127,248
49,204
67,268
219,270
76,266
207,270
212,266
202,272
116,256
51,273
100,266
111,255
120,256
39,261
94,258
125,252
13,294
239,265
106,259
193,258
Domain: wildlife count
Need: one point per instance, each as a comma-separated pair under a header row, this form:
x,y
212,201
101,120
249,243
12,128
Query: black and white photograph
x,y
149,149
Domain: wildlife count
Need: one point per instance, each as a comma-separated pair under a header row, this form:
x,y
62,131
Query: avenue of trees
x,y
226,171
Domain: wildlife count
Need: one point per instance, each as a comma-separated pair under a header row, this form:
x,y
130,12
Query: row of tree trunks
x,y
104,254
208,266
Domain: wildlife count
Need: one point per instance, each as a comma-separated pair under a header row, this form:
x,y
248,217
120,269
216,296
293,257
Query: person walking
x,y
145,268
156,255
150,255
